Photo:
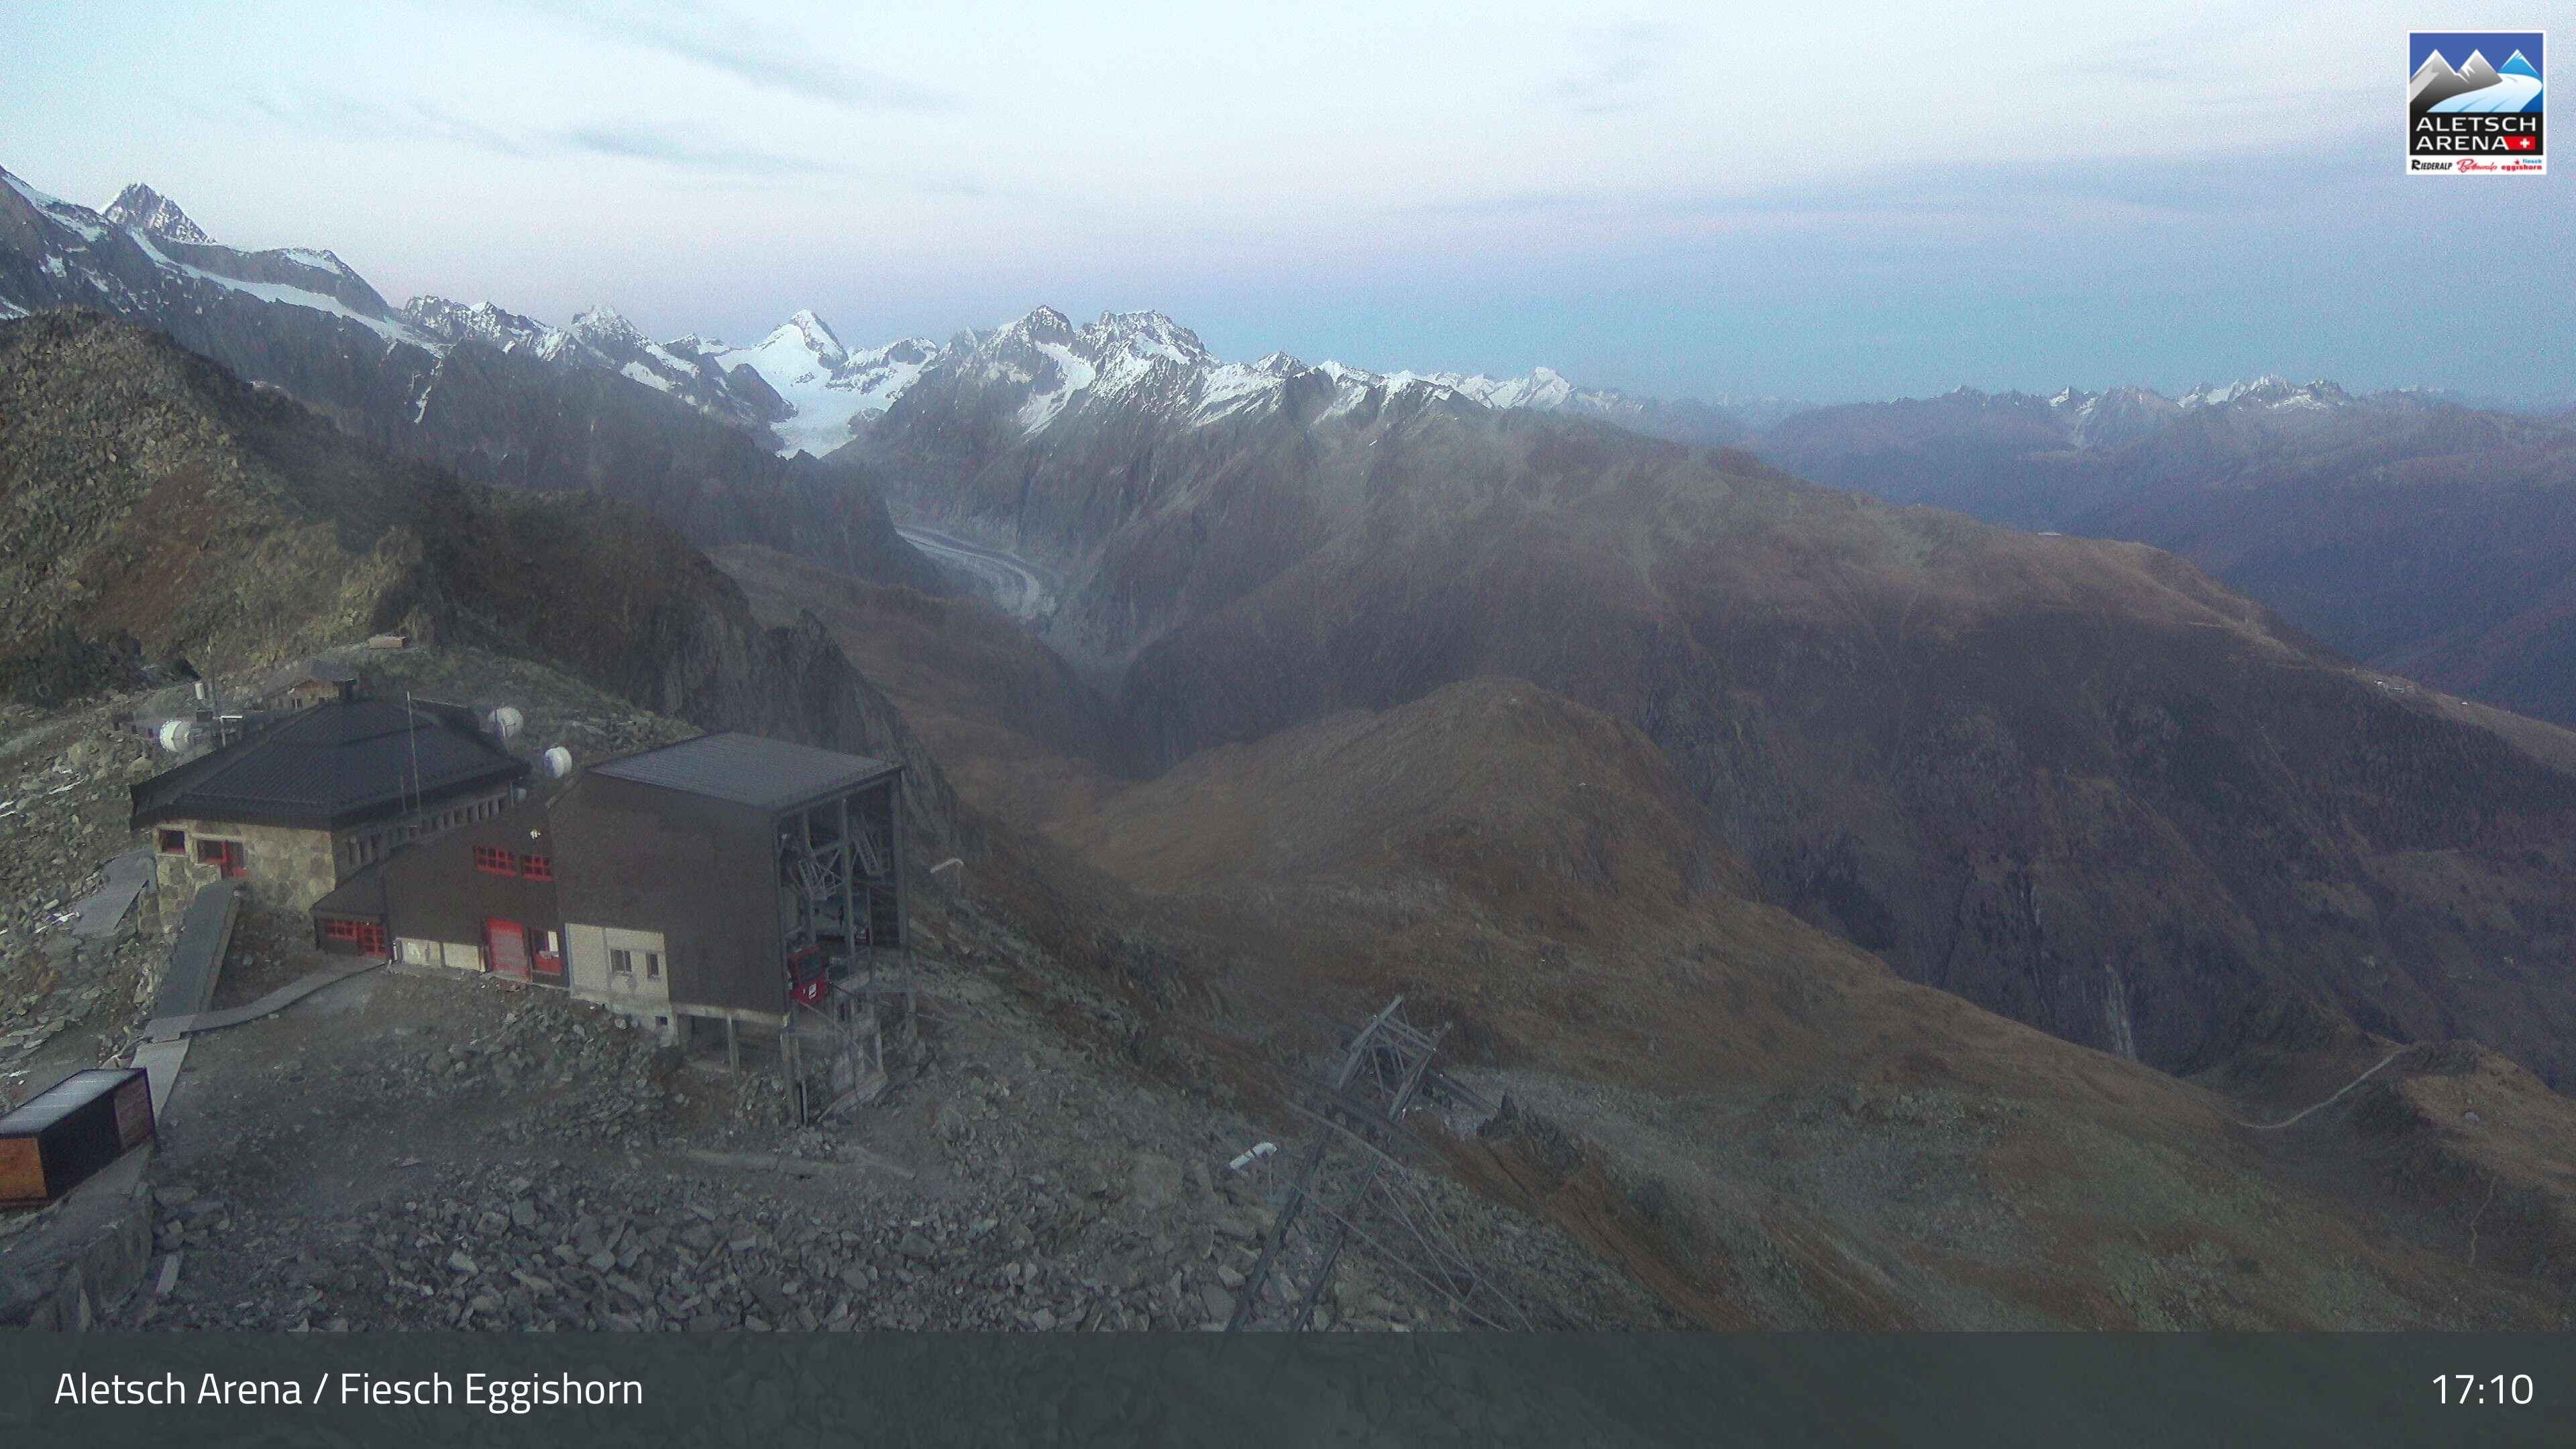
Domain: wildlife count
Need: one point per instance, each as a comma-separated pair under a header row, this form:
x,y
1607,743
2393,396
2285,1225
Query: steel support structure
x,y
1355,1185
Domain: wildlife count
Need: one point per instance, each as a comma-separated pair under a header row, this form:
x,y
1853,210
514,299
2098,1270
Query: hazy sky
x,y
1826,201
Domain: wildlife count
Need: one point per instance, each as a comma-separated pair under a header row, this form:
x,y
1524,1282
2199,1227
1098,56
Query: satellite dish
x,y
178,734
558,763
505,723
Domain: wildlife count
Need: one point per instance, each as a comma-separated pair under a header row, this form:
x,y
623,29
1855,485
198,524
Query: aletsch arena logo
x,y
2473,103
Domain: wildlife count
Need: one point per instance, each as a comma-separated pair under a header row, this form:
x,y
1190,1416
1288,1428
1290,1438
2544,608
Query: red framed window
x,y
367,936
224,855
172,842
493,860
536,867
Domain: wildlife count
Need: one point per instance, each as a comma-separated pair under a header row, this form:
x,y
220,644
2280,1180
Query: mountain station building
x,y
723,884
300,805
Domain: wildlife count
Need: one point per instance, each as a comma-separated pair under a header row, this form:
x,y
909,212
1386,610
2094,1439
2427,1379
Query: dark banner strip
x,y
100,1391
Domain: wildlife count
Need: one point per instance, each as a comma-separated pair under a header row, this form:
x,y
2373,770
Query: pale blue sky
x,y
1836,201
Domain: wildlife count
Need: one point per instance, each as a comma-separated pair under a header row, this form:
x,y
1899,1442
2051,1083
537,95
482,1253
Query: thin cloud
x,y
340,115
769,62
655,143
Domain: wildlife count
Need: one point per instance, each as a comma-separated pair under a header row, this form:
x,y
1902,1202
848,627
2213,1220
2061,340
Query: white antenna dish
x,y
505,723
177,734
558,763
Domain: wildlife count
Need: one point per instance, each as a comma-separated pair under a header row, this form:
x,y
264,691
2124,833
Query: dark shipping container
x,y
65,1134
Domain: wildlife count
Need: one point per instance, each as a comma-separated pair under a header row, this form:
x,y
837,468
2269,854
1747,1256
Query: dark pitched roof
x,y
741,769
330,766
362,894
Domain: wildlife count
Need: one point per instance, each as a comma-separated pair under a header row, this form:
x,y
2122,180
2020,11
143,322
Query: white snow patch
x,y
1073,376
394,332
827,388
1232,386
58,210
318,260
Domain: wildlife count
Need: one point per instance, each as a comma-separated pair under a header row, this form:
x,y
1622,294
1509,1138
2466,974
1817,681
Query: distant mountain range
x,y
2080,783
2417,533
799,389
494,395
2406,528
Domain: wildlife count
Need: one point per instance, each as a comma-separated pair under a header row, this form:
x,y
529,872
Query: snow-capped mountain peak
x,y
605,327
1037,326
1150,334
824,389
456,322
817,338
147,210
2269,391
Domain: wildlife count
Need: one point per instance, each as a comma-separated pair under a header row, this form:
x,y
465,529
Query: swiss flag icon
x,y
2521,143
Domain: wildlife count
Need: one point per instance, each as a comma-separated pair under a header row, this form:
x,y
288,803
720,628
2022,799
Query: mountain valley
x,y
1862,914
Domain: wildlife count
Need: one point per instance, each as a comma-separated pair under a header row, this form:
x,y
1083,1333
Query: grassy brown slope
x,y
2079,783
1765,1123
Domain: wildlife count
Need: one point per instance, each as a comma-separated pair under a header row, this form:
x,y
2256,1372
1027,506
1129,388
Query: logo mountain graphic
x,y
2476,86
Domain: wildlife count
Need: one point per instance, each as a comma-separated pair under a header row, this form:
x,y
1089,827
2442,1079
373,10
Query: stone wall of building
x,y
289,868
283,868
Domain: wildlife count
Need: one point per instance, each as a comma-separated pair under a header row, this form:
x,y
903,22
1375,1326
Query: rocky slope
x,y
1755,1118
159,504
1023,739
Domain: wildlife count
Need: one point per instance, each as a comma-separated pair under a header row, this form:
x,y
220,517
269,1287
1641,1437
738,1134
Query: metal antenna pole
x,y
411,734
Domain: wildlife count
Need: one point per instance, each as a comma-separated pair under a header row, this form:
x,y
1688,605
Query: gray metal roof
x,y
330,765
751,770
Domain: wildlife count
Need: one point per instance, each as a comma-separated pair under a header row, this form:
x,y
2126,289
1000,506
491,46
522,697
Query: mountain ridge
x,y
491,394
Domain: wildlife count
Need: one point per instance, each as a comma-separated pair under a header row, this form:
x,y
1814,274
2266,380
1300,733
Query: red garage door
x,y
505,945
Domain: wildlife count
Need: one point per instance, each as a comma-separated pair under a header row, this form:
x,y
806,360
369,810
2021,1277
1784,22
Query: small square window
x,y
173,842
537,867
492,860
